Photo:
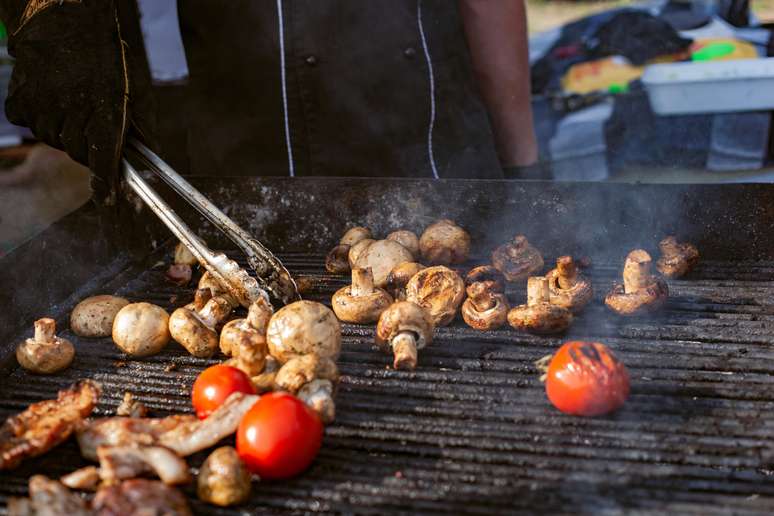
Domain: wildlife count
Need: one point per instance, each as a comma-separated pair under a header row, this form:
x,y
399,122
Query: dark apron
x,y
358,90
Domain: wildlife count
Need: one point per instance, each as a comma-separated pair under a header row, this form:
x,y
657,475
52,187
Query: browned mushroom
x,y
223,478
183,256
357,249
676,260
360,302
399,277
517,260
381,257
337,261
539,315
484,309
93,317
407,239
45,353
439,290
444,243
403,329
568,288
264,382
208,281
493,279
302,328
141,329
245,339
179,274
641,291
355,235
195,330
314,376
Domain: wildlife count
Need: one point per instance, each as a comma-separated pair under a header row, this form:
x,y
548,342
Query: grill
x,y
471,431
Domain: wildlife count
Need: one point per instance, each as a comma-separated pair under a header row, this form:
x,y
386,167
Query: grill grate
x,y
471,431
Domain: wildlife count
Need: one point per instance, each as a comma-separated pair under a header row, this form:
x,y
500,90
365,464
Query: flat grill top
x,y
471,430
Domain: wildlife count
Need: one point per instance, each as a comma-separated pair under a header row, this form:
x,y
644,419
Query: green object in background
x,y
713,51
617,88
3,31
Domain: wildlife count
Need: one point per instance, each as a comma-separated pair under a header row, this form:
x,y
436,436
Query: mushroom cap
x,y
141,329
179,274
357,249
541,318
404,316
188,329
399,277
48,356
298,371
355,235
646,299
488,319
439,290
223,478
362,309
487,274
574,298
676,259
232,333
518,259
382,256
337,261
407,239
444,243
183,256
302,328
93,317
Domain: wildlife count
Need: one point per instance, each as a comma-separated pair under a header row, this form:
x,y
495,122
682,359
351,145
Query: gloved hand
x,y
76,82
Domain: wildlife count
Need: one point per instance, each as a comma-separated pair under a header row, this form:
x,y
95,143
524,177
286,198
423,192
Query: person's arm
x,y
496,32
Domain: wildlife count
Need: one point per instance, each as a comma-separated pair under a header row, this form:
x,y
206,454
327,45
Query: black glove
x,y
73,82
538,170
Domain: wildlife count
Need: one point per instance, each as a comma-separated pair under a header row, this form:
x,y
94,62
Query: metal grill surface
x,y
471,431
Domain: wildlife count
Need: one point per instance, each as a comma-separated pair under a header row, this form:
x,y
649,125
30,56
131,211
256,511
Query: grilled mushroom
x,y
141,329
318,394
264,382
403,329
484,309
539,315
444,243
676,260
382,256
183,256
45,353
360,302
439,290
195,330
245,339
316,377
407,239
641,291
357,249
179,274
517,260
493,280
567,288
223,478
93,317
208,281
303,328
399,277
337,261
355,235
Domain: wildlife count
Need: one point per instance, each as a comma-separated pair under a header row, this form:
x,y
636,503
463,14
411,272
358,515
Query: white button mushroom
x,y
303,328
223,478
444,243
141,329
381,257
360,302
45,353
439,290
407,239
195,331
539,316
313,379
245,339
93,317
403,329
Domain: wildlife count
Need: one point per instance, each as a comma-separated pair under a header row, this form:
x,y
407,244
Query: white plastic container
x,y
711,86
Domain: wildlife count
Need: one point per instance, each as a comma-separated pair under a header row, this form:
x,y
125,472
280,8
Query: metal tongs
x,y
272,276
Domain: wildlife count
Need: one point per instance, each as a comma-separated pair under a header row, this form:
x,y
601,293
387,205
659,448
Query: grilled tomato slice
x,y
586,379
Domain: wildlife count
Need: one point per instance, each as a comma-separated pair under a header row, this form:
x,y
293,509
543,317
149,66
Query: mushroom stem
x,y
258,315
537,290
201,296
568,272
45,330
404,347
362,282
636,273
214,311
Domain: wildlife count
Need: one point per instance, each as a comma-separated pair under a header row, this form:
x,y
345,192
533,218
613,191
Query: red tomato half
x,y
215,384
585,379
279,437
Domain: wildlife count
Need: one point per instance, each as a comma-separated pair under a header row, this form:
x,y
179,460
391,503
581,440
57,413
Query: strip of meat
x,y
140,497
118,463
182,434
48,498
46,424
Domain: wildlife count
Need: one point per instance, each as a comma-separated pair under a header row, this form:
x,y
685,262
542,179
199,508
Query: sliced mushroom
x,y
399,277
223,478
302,328
381,257
357,249
141,329
493,280
407,239
539,315
264,382
403,329
484,309
183,256
360,302
45,353
444,243
568,288
676,260
517,260
641,292
439,290
93,317
195,331
355,235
